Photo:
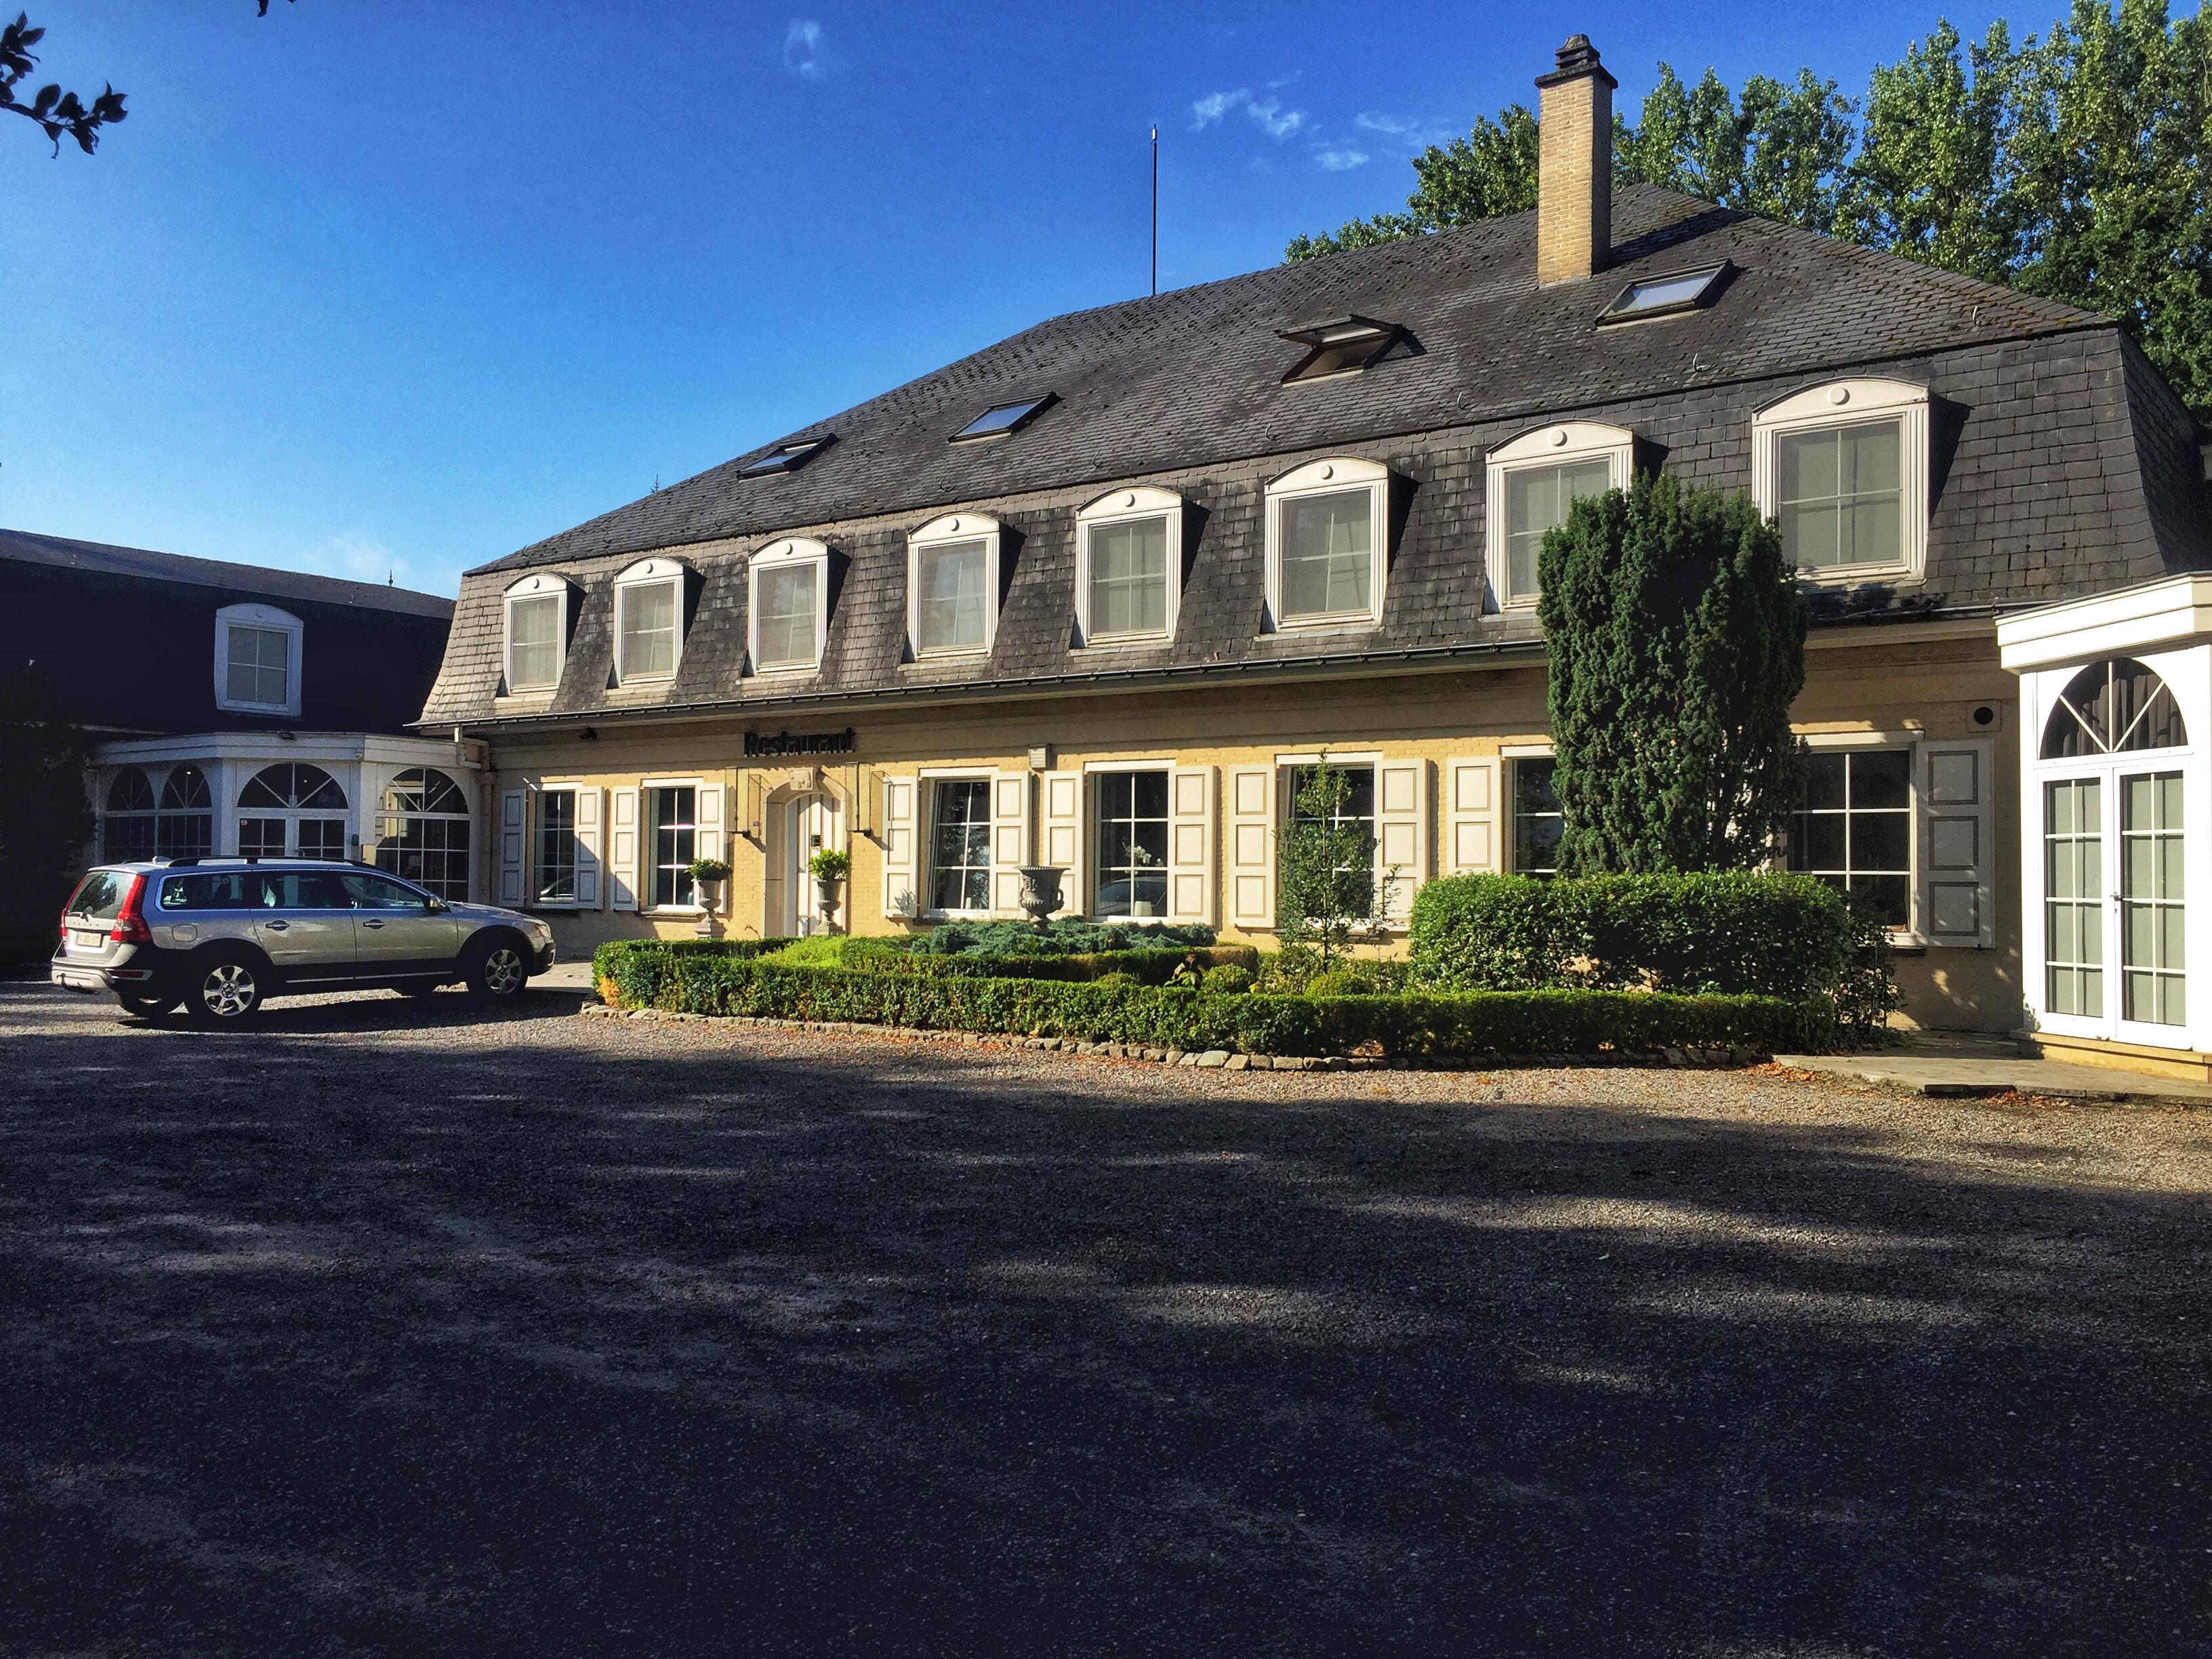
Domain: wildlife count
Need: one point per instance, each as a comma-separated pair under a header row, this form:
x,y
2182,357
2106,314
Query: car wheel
x,y
499,971
226,989
144,1007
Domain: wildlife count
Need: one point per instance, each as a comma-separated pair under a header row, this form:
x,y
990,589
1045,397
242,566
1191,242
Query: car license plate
x,y
86,939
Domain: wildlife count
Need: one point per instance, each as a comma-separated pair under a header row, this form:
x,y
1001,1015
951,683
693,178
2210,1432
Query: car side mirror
x,y
438,905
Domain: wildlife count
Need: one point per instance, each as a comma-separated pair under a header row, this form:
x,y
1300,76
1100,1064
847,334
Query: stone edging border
x,y
1210,1059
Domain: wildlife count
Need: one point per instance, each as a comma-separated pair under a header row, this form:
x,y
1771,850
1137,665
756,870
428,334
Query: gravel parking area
x,y
397,1329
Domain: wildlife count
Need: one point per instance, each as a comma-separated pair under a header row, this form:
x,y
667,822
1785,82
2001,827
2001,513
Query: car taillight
x,y
130,922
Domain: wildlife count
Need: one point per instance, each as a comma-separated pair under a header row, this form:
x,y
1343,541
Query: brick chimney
x,y
1574,164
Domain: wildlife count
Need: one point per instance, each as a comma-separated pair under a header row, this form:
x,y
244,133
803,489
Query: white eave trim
x,y
2170,611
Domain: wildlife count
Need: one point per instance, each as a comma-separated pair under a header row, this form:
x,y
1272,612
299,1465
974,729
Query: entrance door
x,y
2114,905
812,825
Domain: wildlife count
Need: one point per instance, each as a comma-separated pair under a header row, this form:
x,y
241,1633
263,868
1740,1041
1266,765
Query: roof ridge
x,y
184,567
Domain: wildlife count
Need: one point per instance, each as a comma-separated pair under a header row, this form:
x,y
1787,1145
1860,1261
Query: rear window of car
x,y
213,891
252,890
100,895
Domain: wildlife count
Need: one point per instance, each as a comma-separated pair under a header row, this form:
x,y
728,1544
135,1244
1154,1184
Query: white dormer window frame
x,y
794,552
263,620
1335,476
1564,443
540,586
1847,403
642,577
1124,506
948,530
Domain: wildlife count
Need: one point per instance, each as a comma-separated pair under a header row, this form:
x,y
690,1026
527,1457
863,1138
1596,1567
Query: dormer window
x,y
1327,526
257,659
1129,559
1337,345
537,633
1002,420
1664,296
1843,468
1533,481
789,606
952,586
648,621
787,457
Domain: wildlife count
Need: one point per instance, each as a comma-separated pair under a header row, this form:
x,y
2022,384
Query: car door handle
x,y
372,924
276,927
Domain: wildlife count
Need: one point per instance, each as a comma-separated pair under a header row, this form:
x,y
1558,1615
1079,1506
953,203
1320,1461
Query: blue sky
x,y
372,285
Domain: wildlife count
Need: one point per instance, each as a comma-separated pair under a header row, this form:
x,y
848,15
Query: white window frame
x,y
1510,755
1336,476
793,550
1124,506
647,846
649,572
534,587
268,617
1547,446
932,779
1910,935
1092,771
533,861
953,527
1849,403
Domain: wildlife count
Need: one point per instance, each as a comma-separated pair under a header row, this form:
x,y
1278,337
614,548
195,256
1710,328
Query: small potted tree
x,y
829,867
707,875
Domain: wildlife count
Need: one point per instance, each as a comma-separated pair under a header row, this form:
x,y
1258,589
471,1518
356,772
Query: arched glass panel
x,y
424,833
425,789
131,793
185,791
290,787
2116,706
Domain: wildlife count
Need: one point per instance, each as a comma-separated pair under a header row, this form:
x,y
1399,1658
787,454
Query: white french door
x,y
2114,864
813,827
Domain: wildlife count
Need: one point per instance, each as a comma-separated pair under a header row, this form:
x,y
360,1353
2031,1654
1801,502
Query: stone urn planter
x,y
707,875
829,867
1040,894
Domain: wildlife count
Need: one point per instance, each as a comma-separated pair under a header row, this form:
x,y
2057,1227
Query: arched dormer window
x,y
1328,535
537,633
1129,566
787,606
1531,481
257,659
952,586
1843,467
2114,707
650,620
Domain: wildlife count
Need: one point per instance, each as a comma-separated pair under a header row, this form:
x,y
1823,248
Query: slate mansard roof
x,y
2063,464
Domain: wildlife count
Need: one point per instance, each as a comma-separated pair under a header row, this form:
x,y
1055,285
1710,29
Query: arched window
x,y
290,805
127,828
2114,707
185,825
422,832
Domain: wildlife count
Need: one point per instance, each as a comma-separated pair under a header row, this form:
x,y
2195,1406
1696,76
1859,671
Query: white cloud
x,y
358,558
1406,128
1290,79
1341,161
1211,108
1272,119
1268,115
805,53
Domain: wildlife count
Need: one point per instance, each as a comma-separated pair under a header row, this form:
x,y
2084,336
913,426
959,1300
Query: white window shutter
x,y
588,830
712,837
1010,840
901,890
1191,885
514,827
1401,832
1252,845
1474,817
1062,836
622,854
1958,851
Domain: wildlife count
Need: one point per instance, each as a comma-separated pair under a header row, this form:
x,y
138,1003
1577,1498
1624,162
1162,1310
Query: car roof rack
x,y
194,861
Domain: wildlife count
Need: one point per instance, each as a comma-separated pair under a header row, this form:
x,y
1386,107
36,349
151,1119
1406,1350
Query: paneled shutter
x,y
1252,845
1473,816
621,859
712,837
588,827
1010,840
901,890
1062,836
1191,885
1401,831
514,827
1958,850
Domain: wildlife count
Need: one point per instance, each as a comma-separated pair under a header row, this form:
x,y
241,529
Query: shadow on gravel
x,y
534,1347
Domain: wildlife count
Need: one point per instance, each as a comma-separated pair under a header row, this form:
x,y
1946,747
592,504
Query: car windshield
x,y
100,895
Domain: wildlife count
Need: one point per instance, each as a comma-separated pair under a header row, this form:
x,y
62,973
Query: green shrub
x,y
1495,933
1115,979
1341,982
644,974
1066,937
1228,979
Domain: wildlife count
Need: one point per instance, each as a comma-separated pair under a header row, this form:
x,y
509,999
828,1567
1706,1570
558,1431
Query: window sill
x,y
949,653
267,710
786,669
1126,642
1857,575
1322,626
627,682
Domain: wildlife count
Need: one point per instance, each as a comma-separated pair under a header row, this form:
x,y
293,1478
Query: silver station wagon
x,y
221,936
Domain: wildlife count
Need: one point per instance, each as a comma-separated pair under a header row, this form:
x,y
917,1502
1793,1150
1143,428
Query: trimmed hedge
x,y
1066,936
646,974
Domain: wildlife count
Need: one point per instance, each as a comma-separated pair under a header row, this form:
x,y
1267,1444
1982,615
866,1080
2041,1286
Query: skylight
x,y
1660,296
1338,345
1000,419
788,457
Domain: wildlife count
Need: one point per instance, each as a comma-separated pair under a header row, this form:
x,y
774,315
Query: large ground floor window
x,y
422,832
960,845
1132,869
556,847
1537,823
672,814
1855,830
